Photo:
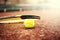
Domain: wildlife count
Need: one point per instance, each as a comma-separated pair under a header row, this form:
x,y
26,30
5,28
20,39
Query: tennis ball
x,y
29,23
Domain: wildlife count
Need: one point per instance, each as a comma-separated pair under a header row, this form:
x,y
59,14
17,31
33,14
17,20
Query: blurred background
x,y
48,10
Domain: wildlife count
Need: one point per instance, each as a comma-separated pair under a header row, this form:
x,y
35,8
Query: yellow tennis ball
x,y
29,23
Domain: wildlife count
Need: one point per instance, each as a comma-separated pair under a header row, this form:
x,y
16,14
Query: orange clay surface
x,y
47,28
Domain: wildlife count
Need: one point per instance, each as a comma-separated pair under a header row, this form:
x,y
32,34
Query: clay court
x,y
47,28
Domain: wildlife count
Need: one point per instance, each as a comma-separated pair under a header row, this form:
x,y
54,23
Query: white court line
x,y
12,21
